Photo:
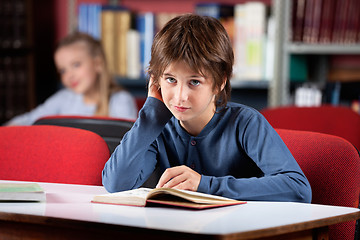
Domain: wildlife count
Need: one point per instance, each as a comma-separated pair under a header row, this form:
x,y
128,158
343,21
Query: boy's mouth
x,y
180,109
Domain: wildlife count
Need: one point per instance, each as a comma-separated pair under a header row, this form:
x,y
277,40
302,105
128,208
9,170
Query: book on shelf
x,y
269,50
353,22
108,37
165,196
146,27
133,54
89,19
22,192
344,68
340,19
123,25
308,20
298,70
327,21
298,15
330,21
110,25
316,21
223,12
250,41
161,18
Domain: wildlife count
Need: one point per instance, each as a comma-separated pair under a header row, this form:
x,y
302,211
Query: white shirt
x,y
66,102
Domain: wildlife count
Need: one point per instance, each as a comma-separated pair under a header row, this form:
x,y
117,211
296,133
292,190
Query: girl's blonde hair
x,y
107,85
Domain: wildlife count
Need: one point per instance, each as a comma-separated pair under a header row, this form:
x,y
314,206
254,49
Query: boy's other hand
x,y
180,177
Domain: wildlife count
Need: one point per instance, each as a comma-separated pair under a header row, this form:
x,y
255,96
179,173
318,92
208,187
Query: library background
x,y
302,52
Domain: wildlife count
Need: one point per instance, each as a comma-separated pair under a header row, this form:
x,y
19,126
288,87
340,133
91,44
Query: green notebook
x,y
21,192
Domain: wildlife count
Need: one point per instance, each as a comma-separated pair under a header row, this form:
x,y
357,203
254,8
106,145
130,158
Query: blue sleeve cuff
x,y
204,185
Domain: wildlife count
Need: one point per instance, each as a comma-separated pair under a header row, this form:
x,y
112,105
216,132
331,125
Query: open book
x,y
167,196
21,192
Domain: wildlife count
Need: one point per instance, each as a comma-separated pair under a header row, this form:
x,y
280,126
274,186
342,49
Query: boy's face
x,y
188,95
77,69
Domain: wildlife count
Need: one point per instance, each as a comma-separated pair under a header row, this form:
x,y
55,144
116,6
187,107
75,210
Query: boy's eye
x,y
170,80
195,82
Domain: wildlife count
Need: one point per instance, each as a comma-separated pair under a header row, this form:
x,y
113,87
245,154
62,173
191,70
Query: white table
x,y
68,213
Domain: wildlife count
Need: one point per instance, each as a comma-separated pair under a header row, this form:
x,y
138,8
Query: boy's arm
x,y
134,159
282,179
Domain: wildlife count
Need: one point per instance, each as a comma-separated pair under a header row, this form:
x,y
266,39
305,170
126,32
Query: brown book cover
x,y
298,20
316,21
123,24
352,21
340,21
327,21
308,20
108,37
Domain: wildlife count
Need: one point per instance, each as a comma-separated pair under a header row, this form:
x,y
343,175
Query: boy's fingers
x,y
168,175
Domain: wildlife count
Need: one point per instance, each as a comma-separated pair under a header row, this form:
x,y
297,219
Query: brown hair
x,y
201,42
107,85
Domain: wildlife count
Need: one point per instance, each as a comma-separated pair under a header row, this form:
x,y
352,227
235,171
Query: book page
x,y
130,197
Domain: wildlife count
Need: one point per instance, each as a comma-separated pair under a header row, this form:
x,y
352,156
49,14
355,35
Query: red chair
x,y
140,101
335,120
332,166
52,154
110,129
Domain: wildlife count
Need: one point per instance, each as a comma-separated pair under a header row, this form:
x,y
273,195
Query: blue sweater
x,y
238,154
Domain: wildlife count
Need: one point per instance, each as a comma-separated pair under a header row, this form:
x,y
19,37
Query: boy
x,y
189,130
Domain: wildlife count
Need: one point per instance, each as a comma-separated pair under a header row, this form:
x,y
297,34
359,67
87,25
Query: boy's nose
x,y
181,93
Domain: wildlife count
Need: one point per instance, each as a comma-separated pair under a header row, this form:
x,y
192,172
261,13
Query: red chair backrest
x,y
52,154
332,166
335,120
140,101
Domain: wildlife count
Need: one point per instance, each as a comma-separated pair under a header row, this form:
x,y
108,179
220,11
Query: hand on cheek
x,y
180,177
154,91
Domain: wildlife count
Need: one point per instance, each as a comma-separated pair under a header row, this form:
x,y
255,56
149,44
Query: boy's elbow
x,y
110,182
305,194
107,183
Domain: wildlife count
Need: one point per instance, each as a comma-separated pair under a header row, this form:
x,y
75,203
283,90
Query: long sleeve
x,y
272,173
134,159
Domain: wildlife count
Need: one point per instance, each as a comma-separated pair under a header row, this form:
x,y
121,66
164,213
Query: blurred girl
x,y
89,87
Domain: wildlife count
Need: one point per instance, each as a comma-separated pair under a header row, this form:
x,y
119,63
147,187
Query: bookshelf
x,y
279,89
16,58
26,73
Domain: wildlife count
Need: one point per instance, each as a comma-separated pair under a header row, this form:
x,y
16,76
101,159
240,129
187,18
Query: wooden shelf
x,y
247,84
